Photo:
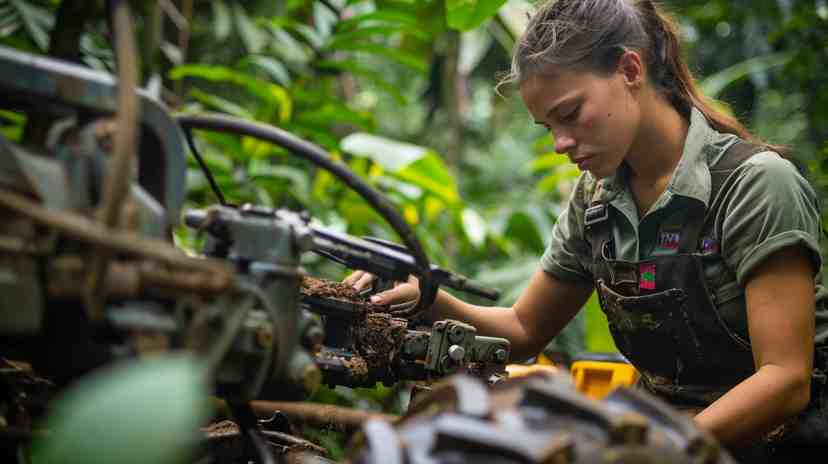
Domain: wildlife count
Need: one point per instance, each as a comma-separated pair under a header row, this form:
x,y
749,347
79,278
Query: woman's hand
x,y
404,295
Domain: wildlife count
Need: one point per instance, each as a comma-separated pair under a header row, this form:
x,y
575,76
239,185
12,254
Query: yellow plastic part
x,y
597,378
522,370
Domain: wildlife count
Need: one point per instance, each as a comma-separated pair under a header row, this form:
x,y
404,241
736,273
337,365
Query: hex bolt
x,y
456,352
500,355
264,336
455,334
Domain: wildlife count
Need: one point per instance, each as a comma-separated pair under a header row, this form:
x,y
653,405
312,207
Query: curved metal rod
x,y
319,157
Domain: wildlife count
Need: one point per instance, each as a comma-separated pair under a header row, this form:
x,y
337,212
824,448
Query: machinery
x,y
362,344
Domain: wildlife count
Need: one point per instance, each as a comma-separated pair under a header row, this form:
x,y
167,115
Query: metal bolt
x,y
456,352
500,355
455,334
264,336
315,335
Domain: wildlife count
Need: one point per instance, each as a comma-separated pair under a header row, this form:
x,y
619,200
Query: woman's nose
x,y
564,143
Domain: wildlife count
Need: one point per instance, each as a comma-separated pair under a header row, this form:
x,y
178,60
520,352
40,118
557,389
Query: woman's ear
x,y
631,68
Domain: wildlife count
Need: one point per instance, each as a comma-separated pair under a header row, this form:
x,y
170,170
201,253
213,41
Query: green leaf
x,y
474,226
522,227
113,413
254,38
221,20
298,177
37,21
431,174
465,15
401,19
365,33
272,66
266,90
374,76
286,46
549,160
395,54
221,104
390,154
714,84
337,113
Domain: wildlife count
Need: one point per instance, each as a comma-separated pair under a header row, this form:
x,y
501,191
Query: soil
x,y
378,336
339,291
379,339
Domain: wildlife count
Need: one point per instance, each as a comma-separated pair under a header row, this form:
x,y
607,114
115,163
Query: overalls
x,y
663,317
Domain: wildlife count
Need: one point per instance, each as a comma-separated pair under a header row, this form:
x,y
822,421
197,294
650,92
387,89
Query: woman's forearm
x,y
756,406
489,321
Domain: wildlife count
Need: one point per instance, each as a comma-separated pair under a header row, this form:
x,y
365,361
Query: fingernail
x,y
376,299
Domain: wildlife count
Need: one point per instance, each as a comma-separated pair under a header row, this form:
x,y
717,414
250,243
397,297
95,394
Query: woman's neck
x,y
658,147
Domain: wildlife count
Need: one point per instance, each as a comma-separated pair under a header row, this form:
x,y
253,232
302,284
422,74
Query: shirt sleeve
x,y
568,254
768,207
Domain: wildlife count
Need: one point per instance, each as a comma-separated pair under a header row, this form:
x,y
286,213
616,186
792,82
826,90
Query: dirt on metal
x,y
321,288
379,338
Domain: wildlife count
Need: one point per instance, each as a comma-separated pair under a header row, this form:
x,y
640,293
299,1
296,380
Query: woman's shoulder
x,y
770,168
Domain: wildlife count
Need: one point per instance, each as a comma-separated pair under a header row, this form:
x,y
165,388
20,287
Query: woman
x,y
701,241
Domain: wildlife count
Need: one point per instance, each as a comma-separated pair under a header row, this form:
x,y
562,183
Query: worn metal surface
x,y
25,78
538,419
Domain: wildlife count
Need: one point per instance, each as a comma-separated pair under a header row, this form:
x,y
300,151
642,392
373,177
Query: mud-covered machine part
x,y
537,419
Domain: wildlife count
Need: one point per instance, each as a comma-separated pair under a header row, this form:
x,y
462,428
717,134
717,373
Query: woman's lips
x,y
583,162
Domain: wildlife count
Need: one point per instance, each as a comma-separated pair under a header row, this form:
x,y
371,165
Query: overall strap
x,y
737,154
597,225
733,157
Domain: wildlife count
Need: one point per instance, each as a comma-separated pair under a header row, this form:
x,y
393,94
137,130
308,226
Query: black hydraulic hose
x,y
249,430
188,134
319,157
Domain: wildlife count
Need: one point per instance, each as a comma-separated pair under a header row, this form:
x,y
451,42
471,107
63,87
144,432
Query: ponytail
x,y
673,77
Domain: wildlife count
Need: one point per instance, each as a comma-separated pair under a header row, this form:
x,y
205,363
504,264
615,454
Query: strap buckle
x,y
595,214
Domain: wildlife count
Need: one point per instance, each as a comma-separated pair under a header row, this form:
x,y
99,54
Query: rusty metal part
x,y
125,279
320,415
116,181
537,420
461,393
228,428
293,442
218,276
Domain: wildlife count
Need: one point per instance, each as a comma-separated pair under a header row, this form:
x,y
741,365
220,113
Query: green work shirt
x,y
769,206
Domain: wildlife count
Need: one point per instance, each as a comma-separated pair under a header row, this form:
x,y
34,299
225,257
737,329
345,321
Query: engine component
x,y
538,418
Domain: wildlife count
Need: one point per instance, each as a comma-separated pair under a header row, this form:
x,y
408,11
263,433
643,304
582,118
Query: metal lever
x,y
445,277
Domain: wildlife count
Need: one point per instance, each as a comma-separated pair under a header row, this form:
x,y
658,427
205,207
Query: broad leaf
x,y
392,155
431,174
465,15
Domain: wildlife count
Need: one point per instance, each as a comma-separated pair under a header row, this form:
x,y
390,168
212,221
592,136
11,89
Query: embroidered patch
x,y
668,240
646,273
709,245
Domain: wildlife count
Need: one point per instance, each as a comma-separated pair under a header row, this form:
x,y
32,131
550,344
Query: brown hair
x,y
593,34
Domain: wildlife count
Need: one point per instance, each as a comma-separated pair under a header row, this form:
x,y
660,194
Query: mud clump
x,y
321,288
379,339
358,366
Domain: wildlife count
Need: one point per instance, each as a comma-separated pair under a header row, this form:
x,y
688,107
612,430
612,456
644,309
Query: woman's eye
x,y
572,116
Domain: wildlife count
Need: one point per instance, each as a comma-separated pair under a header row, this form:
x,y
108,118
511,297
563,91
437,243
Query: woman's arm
x,y
781,317
540,313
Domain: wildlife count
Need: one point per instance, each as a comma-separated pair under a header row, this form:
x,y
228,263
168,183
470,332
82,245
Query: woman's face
x,y
593,118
